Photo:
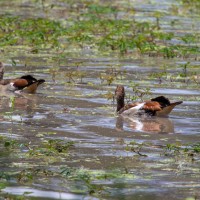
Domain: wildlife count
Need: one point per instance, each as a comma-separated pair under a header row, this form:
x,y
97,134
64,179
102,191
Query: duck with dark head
x,y
26,83
159,106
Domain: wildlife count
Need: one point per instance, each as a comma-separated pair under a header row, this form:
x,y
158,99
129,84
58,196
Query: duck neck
x,y
1,72
120,103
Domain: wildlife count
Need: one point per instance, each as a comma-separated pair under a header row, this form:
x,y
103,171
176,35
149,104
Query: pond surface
x,y
114,157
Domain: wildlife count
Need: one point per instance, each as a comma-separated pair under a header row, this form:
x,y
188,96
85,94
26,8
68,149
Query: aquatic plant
x,y
94,29
50,148
91,179
97,28
192,5
135,147
180,149
139,92
111,74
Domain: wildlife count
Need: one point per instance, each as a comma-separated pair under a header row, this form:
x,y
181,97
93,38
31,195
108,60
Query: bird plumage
x,y
159,106
26,83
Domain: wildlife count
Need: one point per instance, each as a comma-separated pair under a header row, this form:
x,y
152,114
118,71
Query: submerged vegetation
x,y
100,29
97,27
74,145
83,180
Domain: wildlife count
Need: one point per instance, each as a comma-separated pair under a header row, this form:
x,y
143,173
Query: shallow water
x,y
81,112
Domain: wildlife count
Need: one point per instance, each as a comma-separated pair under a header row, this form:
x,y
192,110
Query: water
x,y
82,113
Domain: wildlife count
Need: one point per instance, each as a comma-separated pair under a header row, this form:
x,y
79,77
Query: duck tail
x,y
40,81
176,103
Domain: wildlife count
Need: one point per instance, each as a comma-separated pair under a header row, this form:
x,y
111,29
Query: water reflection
x,y
26,191
22,102
146,124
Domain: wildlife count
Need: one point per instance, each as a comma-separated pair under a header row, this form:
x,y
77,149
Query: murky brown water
x,y
82,113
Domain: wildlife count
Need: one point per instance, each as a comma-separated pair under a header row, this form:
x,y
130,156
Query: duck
x,y
159,106
25,83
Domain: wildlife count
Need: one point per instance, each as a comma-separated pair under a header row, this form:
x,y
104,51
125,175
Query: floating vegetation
x,y
136,148
178,149
98,27
66,138
50,148
111,74
139,92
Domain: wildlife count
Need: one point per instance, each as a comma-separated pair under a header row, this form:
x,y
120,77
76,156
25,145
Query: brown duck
x,y
26,83
159,106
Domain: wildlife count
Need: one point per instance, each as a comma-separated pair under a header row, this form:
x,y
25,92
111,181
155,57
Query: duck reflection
x,y
22,102
146,124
